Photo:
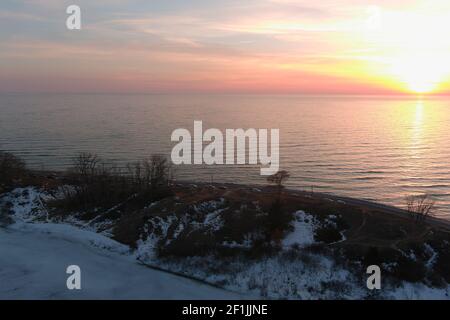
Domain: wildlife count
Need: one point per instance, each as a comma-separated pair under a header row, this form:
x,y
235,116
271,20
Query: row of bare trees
x,y
97,183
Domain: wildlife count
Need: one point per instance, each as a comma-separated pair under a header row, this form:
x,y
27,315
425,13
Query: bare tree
x,y
278,178
278,219
150,173
420,206
85,165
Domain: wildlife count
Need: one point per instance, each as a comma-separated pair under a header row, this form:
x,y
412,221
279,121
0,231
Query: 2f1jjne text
x,y
247,310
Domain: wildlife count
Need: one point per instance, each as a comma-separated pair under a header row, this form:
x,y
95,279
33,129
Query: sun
x,y
419,74
421,86
409,49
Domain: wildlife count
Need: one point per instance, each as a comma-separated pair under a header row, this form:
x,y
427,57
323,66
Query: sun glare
x,y
413,48
420,74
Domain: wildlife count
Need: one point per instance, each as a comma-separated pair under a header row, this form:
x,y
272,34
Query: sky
x,y
251,46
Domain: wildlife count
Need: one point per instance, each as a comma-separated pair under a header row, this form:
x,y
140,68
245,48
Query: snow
x,y
276,277
34,259
433,256
412,291
213,220
24,202
303,233
210,219
72,234
146,248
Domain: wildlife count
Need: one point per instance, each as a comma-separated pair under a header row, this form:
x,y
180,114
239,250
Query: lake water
x,y
377,148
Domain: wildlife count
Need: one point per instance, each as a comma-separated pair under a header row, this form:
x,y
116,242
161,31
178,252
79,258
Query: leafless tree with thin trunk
x,y
420,206
85,164
278,179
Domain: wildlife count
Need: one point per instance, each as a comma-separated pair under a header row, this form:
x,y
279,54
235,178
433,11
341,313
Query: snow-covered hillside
x,y
35,250
34,258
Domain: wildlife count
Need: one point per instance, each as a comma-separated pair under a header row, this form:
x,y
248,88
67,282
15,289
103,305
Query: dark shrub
x,y
5,214
12,170
409,270
278,218
372,257
327,234
195,243
442,265
245,223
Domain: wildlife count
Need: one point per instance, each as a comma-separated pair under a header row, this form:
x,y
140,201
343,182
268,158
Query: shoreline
x,y
325,196
268,189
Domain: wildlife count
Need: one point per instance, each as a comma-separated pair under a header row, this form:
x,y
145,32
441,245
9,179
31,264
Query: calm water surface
x,y
375,148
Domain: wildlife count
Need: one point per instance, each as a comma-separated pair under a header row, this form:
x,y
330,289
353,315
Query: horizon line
x,y
400,94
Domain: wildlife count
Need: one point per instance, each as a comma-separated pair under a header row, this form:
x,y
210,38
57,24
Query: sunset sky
x,y
267,46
